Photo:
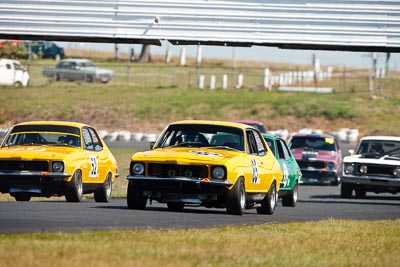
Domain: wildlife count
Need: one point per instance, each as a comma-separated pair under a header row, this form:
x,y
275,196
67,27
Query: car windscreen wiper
x,y
223,147
188,144
63,144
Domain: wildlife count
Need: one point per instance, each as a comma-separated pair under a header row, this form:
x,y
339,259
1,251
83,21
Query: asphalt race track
x,y
315,203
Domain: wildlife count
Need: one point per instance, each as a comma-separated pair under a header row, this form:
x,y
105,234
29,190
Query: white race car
x,y
374,166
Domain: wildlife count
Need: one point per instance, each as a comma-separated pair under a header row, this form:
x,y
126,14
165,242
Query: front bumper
x,y
318,176
35,182
181,189
372,181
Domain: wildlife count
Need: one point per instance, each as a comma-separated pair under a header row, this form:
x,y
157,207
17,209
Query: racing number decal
x,y
255,179
93,166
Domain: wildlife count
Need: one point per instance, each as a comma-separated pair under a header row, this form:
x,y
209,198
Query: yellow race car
x,y
46,158
208,163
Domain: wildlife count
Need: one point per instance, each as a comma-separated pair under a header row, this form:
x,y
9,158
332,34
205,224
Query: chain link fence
x,y
340,79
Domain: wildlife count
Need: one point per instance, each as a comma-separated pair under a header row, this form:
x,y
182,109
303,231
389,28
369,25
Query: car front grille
x,y
304,164
23,165
373,169
175,170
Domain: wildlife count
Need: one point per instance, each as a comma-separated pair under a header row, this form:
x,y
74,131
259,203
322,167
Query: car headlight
x,y
331,165
138,168
363,169
348,168
218,173
58,166
396,172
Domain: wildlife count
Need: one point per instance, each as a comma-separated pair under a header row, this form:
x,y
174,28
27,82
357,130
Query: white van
x,y
12,73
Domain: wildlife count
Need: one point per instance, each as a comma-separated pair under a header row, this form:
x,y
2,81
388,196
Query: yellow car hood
x,y
35,152
186,155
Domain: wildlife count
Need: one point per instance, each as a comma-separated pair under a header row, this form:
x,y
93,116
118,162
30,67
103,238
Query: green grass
x,y
325,243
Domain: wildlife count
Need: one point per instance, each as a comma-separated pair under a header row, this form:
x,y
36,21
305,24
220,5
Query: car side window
x,y
260,145
254,144
283,150
87,139
98,146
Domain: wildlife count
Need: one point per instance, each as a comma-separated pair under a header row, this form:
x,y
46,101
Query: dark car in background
x,y
46,49
319,157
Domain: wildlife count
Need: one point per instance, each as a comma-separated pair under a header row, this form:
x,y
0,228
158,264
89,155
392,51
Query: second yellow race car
x,y
209,163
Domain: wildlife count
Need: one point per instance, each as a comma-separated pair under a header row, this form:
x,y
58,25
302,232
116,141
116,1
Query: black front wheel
x,y
74,190
175,206
22,197
346,190
236,199
135,198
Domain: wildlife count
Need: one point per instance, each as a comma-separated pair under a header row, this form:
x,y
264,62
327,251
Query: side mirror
x,y
351,151
152,144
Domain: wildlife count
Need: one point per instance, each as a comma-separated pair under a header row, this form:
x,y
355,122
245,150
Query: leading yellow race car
x,y
209,163
46,158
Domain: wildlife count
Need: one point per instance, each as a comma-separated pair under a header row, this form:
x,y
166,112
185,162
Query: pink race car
x,y
319,158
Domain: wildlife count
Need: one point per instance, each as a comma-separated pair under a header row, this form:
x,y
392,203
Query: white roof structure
x,y
349,25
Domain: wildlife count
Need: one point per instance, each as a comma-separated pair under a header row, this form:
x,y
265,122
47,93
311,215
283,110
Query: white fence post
x,y
212,82
267,80
224,81
200,82
240,81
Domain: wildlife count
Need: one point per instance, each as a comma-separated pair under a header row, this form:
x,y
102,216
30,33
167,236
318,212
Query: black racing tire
x,y
74,188
360,192
17,84
134,198
268,204
89,79
57,77
290,199
335,182
103,194
176,206
236,198
346,190
22,197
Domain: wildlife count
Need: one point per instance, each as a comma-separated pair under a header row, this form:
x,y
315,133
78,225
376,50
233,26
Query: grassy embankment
x,y
120,106
325,243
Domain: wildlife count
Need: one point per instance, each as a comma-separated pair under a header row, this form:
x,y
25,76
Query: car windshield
x,y
380,147
312,143
43,135
202,135
86,64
